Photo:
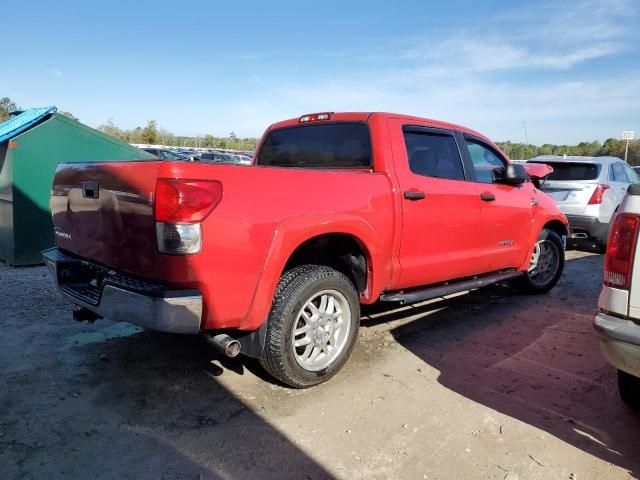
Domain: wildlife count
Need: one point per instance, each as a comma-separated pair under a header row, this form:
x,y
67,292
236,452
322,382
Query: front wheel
x,y
547,264
312,326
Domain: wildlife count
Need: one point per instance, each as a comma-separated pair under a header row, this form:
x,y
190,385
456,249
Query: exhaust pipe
x,y
224,344
579,235
81,314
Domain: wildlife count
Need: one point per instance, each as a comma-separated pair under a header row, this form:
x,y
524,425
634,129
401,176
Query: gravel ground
x,y
486,385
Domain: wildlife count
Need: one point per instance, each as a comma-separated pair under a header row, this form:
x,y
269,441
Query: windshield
x,y
573,170
332,145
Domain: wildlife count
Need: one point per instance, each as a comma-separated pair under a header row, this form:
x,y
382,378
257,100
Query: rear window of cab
x,y
319,146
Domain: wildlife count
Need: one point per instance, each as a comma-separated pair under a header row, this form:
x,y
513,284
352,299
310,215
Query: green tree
x,y
208,141
150,132
6,106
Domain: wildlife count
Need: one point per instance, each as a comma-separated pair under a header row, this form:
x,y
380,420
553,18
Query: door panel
x,y
439,229
507,214
506,225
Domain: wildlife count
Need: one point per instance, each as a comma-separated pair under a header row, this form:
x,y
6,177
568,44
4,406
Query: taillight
x,y
315,117
598,193
186,201
180,206
621,249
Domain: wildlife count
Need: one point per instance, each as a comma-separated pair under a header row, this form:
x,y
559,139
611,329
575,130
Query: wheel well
x,y
557,227
341,251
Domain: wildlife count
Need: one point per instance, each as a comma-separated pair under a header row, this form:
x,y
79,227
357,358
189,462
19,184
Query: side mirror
x,y
514,174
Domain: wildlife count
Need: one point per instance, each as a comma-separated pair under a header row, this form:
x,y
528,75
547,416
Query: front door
x,y
506,212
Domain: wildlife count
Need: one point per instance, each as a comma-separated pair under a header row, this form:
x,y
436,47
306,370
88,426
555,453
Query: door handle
x,y
487,197
413,195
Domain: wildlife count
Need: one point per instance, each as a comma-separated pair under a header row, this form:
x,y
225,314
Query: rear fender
x,y
292,233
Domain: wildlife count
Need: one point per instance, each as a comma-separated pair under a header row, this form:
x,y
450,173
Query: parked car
x,y
588,190
618,318
636,169
225,157
165,154
274,260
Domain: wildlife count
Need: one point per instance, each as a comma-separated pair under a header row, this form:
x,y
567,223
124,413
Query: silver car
x,y
588,190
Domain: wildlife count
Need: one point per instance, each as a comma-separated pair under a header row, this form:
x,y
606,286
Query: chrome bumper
x,y
122,298
619,342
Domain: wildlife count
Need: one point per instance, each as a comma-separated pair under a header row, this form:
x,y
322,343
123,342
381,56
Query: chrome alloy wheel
x,y
545,262
321,330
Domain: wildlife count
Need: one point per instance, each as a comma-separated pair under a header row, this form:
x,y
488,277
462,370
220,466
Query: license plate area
x,y
82,280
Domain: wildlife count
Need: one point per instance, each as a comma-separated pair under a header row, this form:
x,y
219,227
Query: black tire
x,y
629,388
531,281
295,289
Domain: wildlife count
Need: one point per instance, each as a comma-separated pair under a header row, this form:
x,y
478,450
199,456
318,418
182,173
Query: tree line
x,y
151,133
610,147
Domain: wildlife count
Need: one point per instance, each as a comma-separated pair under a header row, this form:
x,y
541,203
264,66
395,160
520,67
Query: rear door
x,y
440,209
506,212
619,180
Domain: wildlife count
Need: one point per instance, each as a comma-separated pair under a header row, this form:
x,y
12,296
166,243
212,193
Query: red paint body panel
x,y
267,212
538,170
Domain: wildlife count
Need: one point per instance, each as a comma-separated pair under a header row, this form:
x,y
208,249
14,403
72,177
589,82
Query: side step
x,y
429,293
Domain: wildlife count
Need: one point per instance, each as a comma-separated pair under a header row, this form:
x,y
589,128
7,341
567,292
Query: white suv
x,y
618,318
588,190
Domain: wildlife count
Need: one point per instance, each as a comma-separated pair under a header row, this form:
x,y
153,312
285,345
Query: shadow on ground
x,y
534,358
115,402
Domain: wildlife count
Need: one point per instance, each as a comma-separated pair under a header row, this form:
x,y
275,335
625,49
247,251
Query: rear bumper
x,y
619,342
591,226
124,298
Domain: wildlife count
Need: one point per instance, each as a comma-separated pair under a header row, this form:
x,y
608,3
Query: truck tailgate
x,y
104,212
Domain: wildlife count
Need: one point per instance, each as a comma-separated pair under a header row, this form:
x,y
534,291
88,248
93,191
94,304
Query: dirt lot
x,y
486,385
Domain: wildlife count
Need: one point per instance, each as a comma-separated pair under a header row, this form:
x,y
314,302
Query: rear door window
x,y
617,173
332,145
564,171
631,174
433,155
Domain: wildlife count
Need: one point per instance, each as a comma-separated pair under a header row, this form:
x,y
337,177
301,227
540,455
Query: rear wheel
x,y
312,326
629,388
547,264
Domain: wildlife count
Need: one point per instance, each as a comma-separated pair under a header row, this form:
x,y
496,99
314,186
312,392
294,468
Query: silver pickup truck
x,y
618,318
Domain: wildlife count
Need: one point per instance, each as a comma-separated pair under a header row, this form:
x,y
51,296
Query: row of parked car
x,y
210,156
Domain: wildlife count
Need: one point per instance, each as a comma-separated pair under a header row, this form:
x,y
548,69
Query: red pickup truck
x,y
273,260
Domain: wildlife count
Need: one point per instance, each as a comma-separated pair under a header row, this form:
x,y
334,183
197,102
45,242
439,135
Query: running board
x,y
448,288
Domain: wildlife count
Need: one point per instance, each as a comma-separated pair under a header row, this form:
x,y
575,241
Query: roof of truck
x,y
365,116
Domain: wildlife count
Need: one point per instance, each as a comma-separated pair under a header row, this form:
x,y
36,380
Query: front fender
x,y
540,220
293,232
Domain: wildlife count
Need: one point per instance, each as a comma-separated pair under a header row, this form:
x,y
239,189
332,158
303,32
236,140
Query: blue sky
x,y
570,69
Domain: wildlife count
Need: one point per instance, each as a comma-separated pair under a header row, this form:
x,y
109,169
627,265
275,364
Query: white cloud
x,y
57,73
257,79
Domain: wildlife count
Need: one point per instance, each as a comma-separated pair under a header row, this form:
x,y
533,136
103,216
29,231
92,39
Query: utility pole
x,y
526,137
627,135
